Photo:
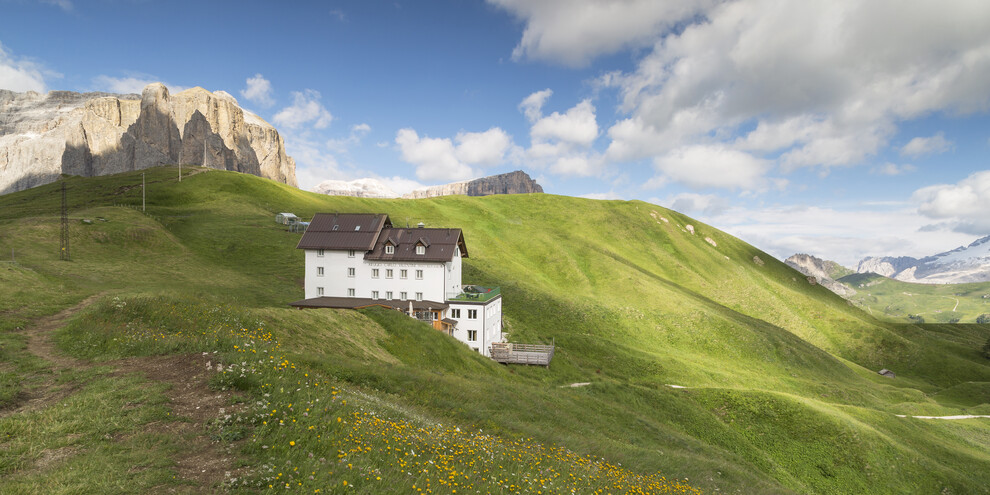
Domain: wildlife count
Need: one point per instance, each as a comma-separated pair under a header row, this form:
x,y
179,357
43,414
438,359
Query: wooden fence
x,y
535,354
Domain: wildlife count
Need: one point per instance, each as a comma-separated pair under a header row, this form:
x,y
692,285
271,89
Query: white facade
x,y
346,273
478,324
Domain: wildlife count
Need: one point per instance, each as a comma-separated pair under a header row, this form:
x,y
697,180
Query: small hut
x,y
887,373
286,218
298,227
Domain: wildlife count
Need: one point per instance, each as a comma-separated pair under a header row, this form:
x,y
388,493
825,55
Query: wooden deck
x,y
510,353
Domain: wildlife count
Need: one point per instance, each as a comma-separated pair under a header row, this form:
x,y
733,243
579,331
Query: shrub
x,y
983,319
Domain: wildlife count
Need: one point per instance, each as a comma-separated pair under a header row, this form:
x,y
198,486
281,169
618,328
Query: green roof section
x,y
477,293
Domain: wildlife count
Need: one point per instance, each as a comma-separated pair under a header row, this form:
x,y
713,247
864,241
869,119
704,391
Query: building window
x,y
472,314
420,249
357,227
389,249
350,253
419,296
388,273
472,335
388,294
319,252
374,294
374,273
403,295
403,273
455,313
350,272
419,274
350,292
319,291
319,271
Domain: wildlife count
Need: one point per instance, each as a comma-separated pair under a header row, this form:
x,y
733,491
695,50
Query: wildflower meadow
x,y
301,431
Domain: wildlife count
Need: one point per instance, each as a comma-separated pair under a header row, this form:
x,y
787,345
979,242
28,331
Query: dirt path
x,y
204,463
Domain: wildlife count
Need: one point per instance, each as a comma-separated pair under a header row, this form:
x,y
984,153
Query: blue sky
x,y
841,128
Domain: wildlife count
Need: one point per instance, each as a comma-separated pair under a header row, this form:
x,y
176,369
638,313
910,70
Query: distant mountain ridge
x,y
517,182
89,134
825,272
361,188
961,265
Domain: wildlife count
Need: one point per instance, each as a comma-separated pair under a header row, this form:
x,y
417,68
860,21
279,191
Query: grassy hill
x,y
892,299
781,392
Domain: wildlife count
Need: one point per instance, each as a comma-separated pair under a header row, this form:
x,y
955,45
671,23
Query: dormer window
x,y
389,249
420,249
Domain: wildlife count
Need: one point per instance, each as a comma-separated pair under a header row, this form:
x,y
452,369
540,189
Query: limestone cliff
x,y
43,136
517,182
823,272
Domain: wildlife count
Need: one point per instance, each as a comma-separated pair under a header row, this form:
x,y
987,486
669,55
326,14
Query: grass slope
x,y
892,299
781,395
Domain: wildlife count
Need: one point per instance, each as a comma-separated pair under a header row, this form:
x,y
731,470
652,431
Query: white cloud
x,y
561,141
439,159
965,204
305,108
401,185
314,163
692,203
603,196
131,84
358,132
258,90
703,166
482,148
576,126
818,83
926,145
573,33
842,235
893,169
20,74
435,158
532,105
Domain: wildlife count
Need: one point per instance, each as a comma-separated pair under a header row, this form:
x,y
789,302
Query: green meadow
x,y
776,384
892,299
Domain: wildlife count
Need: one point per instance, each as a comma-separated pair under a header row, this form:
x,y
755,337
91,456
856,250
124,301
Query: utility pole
x,y
142,190
64,237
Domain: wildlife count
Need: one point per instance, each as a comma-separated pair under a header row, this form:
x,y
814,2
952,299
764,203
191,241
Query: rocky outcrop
x,y
43,136
517,182
822,272
361,188
964,264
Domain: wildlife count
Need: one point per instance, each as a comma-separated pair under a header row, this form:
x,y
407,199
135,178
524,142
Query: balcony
x,y
474,293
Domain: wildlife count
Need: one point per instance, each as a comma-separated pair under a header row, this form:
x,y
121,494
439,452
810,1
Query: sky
x,y
838,128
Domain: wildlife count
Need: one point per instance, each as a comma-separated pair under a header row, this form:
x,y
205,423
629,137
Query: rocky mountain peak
x,y
821,271
63,132
517,182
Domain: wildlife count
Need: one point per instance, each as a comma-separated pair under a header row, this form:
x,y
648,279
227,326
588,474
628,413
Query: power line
x,y
64,236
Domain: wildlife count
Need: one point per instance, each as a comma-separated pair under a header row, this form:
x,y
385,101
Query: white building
x,y
360,260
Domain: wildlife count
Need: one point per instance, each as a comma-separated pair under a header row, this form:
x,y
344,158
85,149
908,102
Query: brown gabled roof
x,y
339,231
439,243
